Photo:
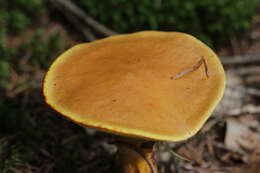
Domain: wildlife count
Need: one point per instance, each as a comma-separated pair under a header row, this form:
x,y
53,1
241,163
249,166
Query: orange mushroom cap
x,y
122,84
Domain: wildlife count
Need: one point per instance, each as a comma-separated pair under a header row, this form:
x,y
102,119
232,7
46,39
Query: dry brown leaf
x,y
242,134
233,98
195,155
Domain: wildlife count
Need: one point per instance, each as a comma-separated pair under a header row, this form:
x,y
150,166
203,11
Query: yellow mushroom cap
x,y
122,84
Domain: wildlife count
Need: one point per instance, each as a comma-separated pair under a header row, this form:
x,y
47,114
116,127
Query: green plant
x,y
17,21
212,21
33,8
4,61
10,155
4,73
17,15
42,48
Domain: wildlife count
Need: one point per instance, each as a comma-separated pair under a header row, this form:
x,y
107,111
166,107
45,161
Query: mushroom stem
x,y
136,159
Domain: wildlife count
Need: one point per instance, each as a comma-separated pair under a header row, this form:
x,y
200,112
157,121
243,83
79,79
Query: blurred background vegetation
x,y
212,21
34,32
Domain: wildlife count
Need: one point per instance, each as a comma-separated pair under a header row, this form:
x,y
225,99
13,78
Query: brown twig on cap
x,y
195,67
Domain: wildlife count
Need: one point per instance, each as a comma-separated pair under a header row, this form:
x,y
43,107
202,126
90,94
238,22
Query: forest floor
x,y
35,139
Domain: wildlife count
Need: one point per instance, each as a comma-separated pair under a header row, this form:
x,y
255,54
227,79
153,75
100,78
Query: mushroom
x,y
144,86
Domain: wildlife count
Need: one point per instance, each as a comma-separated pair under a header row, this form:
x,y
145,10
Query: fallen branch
x,y
251,109
241,60
245,110
247,90
247,71
86,32
253,80
68,7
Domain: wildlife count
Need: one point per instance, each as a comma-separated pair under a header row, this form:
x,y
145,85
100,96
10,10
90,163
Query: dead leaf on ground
x,y
233,98
242,134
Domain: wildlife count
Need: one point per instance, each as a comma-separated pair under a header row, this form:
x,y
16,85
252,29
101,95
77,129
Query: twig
x,y
88,35
176,165
195,67
253,79
251,109
247,90
240,60
68,6
246,109
178,156
249,70
85,31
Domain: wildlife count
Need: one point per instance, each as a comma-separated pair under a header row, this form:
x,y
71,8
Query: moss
x,y
18,15
215,22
